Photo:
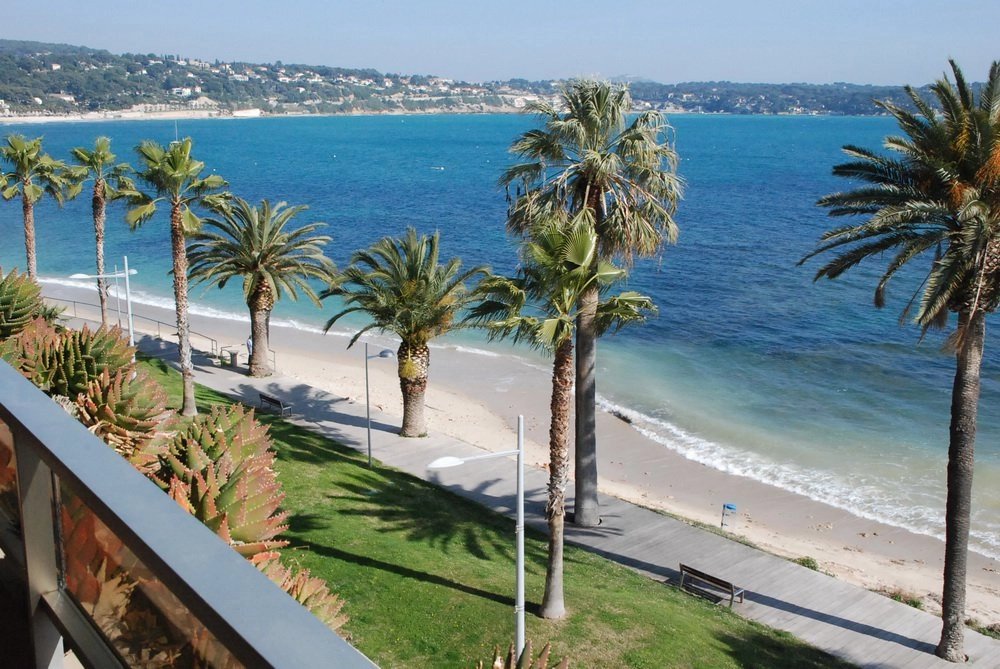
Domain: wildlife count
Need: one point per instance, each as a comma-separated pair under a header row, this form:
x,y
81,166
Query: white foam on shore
x,y
194,308
867,501
471,350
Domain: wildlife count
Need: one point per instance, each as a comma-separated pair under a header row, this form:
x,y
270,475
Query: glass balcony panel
x,y
136,613
9,508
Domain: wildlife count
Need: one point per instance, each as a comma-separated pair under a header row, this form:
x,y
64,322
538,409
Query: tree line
x,y
102,81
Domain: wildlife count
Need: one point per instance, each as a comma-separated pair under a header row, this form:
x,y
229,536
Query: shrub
x,y
807,562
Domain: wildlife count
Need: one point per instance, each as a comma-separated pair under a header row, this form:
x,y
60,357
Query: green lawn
x,y
428,577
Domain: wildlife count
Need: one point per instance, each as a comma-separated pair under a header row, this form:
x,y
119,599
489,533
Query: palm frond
x,y
927,195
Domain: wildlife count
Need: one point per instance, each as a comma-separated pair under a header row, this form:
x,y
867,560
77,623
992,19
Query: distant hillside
x,y
53,79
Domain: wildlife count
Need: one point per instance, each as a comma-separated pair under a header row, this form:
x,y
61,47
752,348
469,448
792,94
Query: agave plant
x,y
20,303
525,661
220,470
309,591
127,412
64,363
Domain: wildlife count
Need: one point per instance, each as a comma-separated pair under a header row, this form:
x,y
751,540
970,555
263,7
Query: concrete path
x,y
846,620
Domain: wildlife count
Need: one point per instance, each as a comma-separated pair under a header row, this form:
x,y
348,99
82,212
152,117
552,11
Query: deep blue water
x,y
749,366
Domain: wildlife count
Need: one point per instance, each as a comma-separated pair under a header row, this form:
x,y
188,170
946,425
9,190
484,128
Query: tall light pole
x,y
384,353
128,293
451,461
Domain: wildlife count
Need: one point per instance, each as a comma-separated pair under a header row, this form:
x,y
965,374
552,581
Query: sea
x,y
750,367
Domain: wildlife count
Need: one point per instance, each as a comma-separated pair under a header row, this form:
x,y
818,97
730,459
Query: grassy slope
x,y
429,577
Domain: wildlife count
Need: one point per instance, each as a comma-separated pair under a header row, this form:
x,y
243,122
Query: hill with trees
x,y
58,79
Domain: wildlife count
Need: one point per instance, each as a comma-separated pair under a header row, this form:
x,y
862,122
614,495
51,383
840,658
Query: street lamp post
x,y
451,461
384,353
128,293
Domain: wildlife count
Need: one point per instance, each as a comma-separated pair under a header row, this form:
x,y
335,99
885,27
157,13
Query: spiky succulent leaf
x,y
20,303
64,362
526,661
220,469
125,411
309,591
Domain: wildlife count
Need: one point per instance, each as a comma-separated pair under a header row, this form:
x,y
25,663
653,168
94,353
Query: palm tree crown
x,y
175,177
589,158
937,193
254,243
402,288
32,174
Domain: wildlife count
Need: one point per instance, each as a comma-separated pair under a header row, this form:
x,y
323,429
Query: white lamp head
x,y
445,462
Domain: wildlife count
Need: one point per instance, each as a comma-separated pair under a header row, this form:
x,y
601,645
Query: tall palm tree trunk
x,y
97,205
586,512
553,605
28,210
188,407
260,318
414,361
961,458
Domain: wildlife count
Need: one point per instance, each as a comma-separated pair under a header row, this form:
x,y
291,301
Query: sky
x,y
771,41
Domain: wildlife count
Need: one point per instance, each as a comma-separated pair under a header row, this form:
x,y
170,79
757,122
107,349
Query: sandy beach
x,y
476,396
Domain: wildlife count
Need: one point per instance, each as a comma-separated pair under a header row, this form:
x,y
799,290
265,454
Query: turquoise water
x,y
750,367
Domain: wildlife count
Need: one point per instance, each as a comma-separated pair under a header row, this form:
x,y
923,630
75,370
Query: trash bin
x,y
234,358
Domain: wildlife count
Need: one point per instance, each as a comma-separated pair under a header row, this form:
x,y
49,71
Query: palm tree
x,y
252,242
589,159
32,174
175,178
400,286
937,194
559,267
99,165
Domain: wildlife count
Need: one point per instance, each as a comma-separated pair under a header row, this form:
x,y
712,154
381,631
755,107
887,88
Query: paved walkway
x,y
846,620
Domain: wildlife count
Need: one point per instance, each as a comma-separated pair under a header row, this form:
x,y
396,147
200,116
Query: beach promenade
x,y
846,620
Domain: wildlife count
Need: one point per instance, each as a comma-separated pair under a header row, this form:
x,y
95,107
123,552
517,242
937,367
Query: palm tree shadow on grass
x,y
407,572
756,650
424,513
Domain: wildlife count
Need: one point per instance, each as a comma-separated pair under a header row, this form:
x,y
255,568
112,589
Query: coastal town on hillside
x,y
51,80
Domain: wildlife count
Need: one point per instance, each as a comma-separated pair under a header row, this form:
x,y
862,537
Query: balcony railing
x,y
115,570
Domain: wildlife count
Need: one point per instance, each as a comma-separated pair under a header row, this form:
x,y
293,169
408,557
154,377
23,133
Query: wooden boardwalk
x,y
843,619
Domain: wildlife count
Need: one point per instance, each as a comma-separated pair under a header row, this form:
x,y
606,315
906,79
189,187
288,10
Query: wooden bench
x,y
723,585
269,401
